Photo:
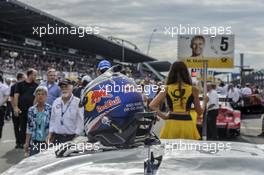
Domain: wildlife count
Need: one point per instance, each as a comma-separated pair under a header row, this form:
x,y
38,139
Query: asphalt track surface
x,y
250,129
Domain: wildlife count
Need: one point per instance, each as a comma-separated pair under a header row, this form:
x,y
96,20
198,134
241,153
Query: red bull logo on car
x,y
108,104
98,94
95,97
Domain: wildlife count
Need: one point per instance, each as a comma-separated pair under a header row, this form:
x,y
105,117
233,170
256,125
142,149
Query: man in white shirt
x,y
4,94
66,116
212,104
246,91
223,89
233,94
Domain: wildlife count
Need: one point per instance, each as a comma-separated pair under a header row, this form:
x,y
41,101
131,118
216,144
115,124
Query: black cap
x,y
66,82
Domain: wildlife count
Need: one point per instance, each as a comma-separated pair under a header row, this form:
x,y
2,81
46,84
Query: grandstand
x,y
20,48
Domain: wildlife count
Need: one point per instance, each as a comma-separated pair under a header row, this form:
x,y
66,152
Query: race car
x,y
228,119
179,157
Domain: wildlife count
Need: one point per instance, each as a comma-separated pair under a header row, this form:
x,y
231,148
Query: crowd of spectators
x,y
42,63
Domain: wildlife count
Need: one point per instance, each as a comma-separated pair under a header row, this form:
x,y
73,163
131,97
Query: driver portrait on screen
x,y
197,46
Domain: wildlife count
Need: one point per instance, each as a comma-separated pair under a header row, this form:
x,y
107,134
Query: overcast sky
x,y
135,20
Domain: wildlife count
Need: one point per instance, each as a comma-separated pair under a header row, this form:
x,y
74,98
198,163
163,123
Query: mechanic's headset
x,y
114,69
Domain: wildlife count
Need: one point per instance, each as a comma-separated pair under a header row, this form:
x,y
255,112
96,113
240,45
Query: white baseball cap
x,y
86,78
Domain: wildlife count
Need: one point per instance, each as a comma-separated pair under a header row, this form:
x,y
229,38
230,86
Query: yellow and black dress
x,y
180,124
